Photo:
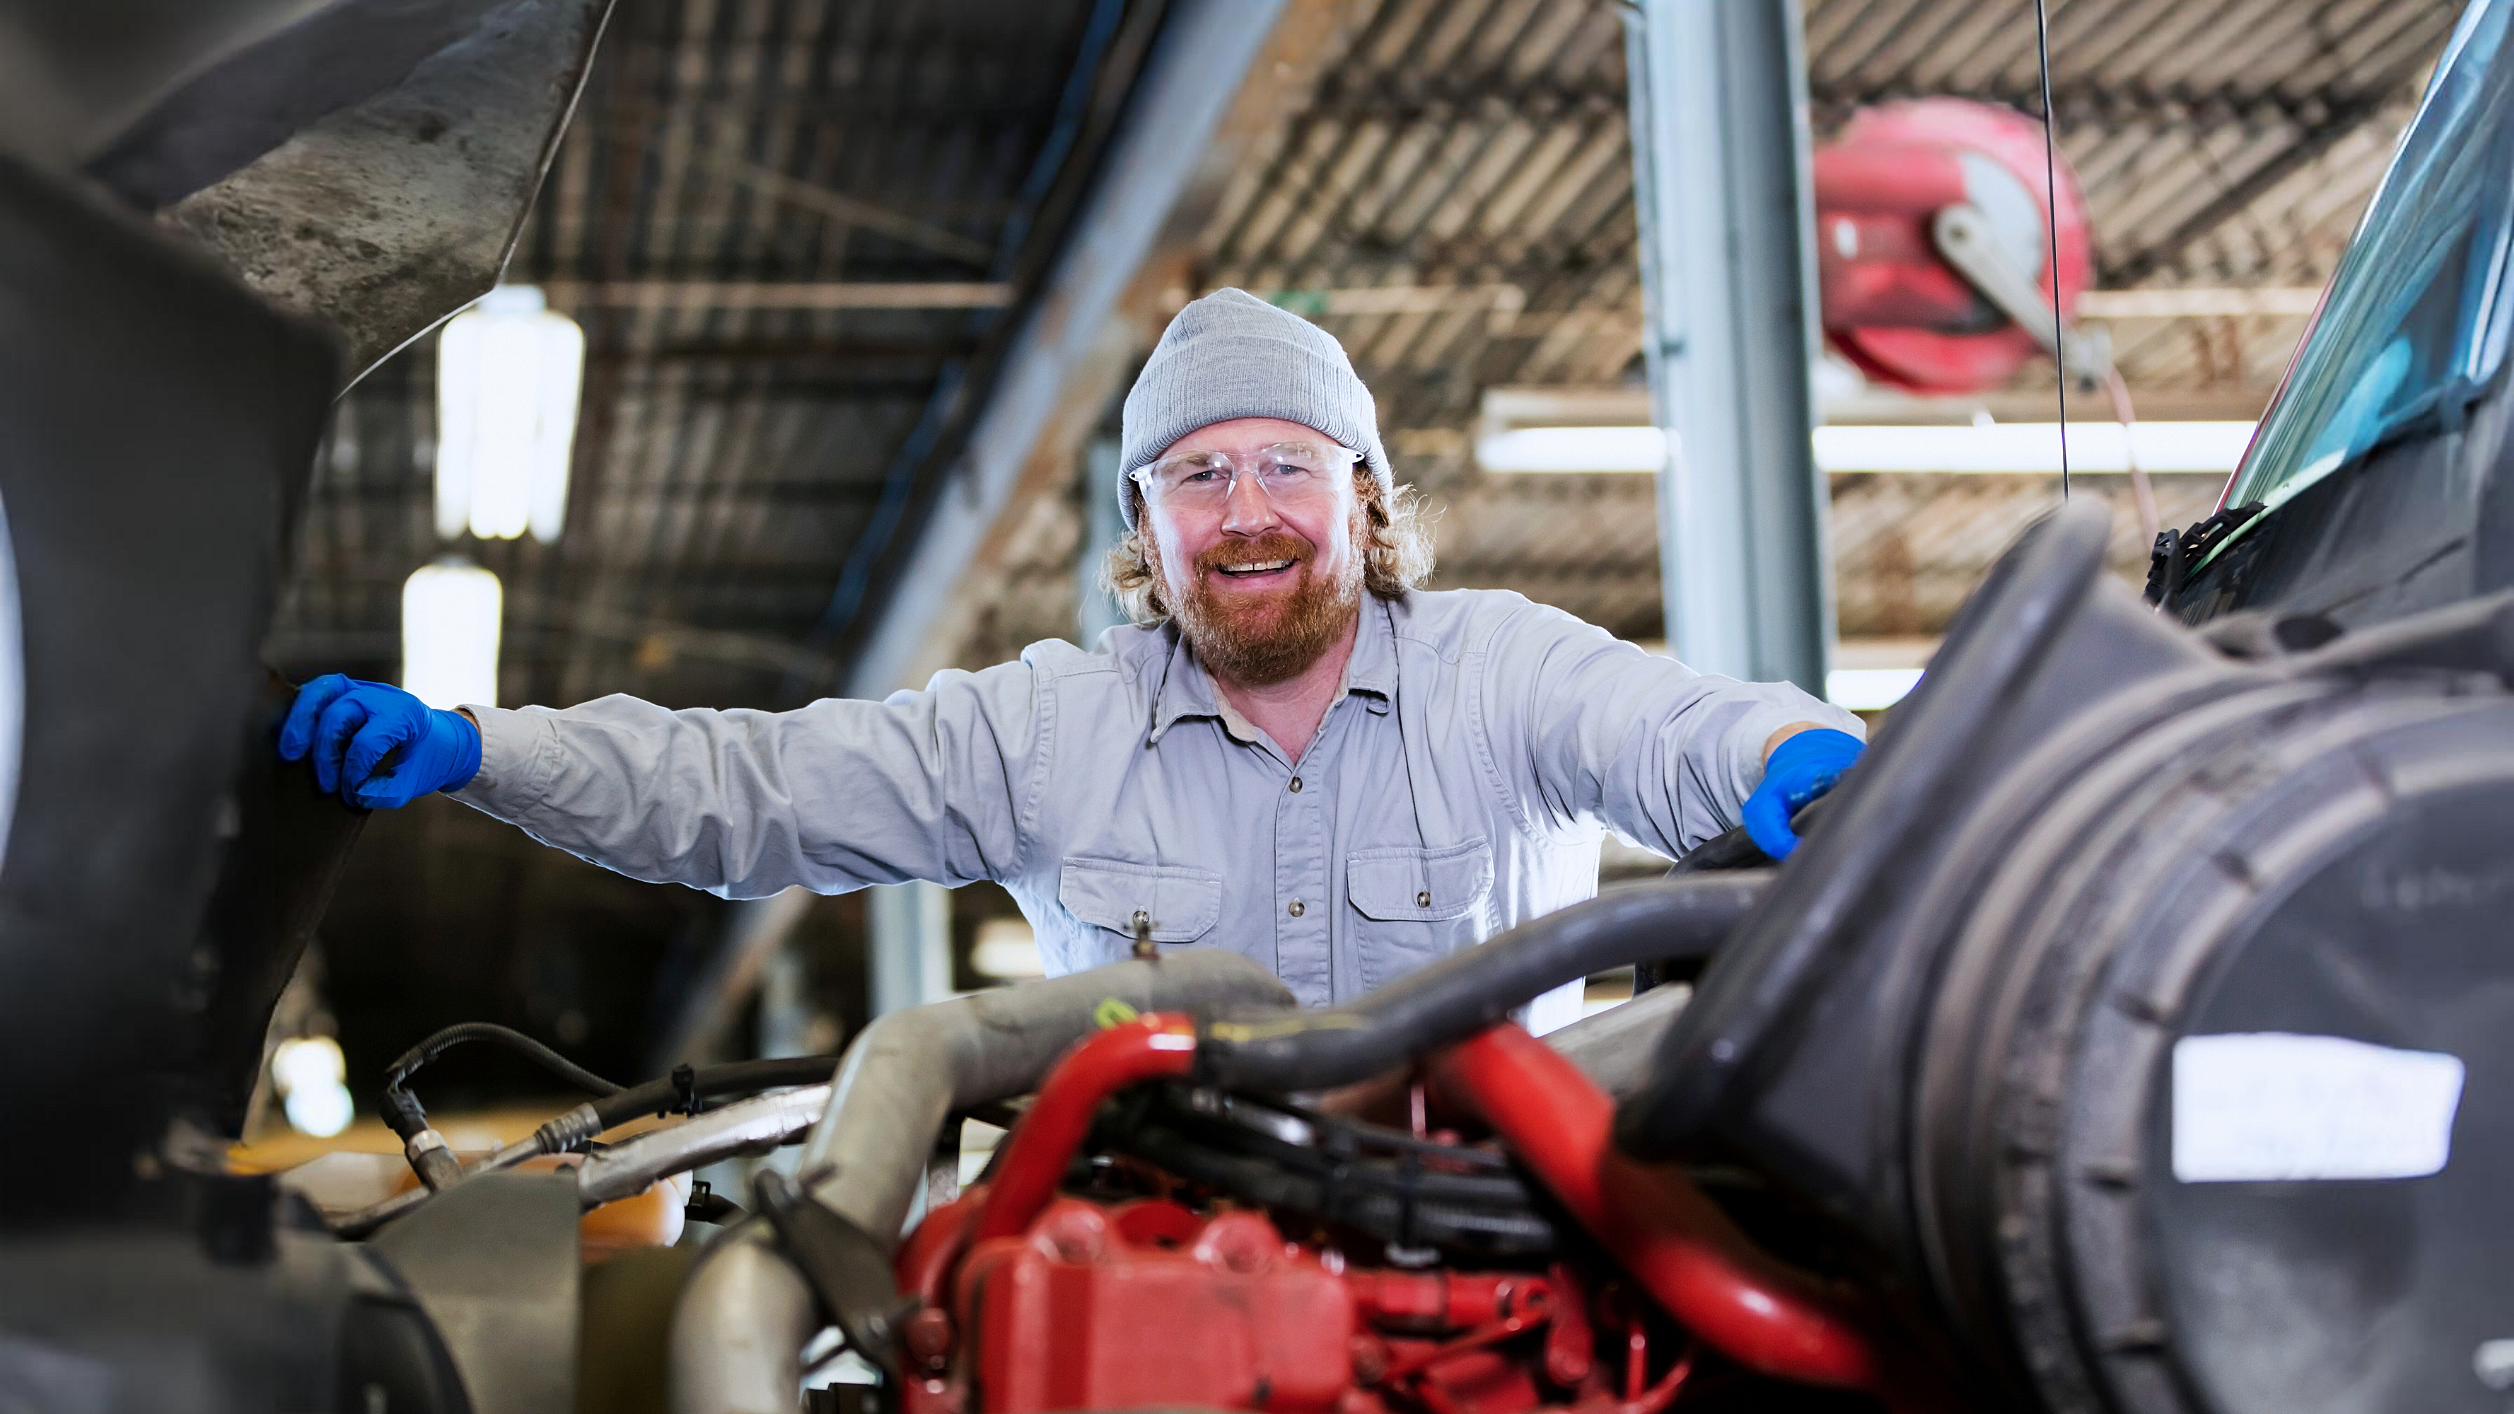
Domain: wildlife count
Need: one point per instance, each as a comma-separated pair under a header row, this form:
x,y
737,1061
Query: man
x,y
1295,754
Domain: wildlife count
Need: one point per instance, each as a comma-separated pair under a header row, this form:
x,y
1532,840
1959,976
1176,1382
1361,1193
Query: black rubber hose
x,y
1731,850
714,1082
1734,849
1468,991
442,1041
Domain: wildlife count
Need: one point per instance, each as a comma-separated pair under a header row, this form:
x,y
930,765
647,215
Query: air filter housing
x,y
2144,1002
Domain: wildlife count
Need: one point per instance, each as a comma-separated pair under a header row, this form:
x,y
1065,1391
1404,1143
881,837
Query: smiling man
x,y
1295,753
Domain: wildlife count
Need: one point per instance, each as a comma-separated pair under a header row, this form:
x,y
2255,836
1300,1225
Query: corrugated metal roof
x,y
1453,199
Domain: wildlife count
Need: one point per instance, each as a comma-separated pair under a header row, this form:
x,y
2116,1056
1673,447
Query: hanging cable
x,y
2051,223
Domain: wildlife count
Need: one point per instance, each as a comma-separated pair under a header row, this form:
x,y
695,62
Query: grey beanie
x,y
1231,355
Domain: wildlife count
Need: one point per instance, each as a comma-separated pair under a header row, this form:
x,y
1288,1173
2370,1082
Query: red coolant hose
x,y
1708,1275
1035,1154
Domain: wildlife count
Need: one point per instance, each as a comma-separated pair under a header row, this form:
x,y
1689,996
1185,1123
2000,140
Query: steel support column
x,y
1721,182
756,931
910,956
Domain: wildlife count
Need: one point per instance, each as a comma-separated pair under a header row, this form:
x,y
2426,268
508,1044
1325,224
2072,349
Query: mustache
x,y
1276,545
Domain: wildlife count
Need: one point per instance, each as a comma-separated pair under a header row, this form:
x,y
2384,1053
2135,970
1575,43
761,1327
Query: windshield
x,y
2417,311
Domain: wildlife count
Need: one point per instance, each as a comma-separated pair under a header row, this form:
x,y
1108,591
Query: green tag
x,y
1309,304
1112,1013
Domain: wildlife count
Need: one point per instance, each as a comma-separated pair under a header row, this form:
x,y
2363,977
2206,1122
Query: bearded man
x,y
1295,753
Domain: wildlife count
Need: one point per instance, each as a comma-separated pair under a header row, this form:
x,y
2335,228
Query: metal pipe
x,y
737,1337
1617,1047
750,1125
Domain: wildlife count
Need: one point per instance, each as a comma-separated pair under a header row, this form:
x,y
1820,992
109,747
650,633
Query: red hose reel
x,y
1933,259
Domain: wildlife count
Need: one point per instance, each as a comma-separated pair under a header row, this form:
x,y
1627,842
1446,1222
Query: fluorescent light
x,y
450,613
508,374
1869,689
2027,448
2034,447
1544,449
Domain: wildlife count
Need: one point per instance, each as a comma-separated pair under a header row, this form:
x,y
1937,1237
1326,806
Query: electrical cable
x,y
2051,224
440,1042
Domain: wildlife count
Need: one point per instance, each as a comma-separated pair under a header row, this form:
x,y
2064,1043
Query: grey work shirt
x,y
1458,786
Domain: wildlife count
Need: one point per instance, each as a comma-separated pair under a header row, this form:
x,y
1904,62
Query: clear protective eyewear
x,y
1287,472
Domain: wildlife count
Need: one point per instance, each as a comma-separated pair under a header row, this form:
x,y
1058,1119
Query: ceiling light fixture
x,y
508,372
311,1077
450,616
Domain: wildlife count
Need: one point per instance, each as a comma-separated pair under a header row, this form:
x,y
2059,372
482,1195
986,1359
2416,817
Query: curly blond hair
x,y
1397,558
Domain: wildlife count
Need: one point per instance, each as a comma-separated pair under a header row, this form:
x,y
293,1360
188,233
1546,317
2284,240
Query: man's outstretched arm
x,y
832,796
1664,754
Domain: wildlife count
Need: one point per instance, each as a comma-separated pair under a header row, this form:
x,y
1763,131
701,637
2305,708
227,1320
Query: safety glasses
x,y
1290,473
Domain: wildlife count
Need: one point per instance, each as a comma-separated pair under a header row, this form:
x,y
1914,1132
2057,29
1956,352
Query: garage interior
x,y
2070,976
797,232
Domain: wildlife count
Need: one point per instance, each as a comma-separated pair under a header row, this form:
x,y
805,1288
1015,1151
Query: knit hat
x,y
1231,355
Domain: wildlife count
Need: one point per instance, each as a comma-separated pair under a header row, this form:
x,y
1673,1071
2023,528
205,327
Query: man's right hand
x,y
350,728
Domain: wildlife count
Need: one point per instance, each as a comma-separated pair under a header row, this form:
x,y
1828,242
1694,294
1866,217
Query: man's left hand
x,y
1805,765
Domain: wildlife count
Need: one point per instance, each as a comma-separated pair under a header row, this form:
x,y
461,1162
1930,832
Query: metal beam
x,y
2199,302
1721,176
1188,121
780,294
1510,407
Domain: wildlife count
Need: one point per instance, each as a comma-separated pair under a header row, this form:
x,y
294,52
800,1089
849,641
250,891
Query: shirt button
x,y
1296,908
1296,785
1423,899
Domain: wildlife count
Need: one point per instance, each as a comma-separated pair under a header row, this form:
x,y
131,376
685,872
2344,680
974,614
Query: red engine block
x,y
1147,1303
1103,1308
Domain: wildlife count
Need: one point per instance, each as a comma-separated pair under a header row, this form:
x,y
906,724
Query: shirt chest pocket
x,y
1418,904
1179,904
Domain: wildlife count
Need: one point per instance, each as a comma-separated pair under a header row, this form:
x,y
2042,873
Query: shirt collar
x,y
1188,691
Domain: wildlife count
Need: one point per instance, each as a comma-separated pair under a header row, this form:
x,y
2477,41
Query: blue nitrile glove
x,y
1803,767
351,726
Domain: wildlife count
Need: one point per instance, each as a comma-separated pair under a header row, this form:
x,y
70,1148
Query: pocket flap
x,y
1182,903
1420,885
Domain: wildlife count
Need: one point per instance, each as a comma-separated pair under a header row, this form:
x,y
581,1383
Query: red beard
x,y
1264,638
